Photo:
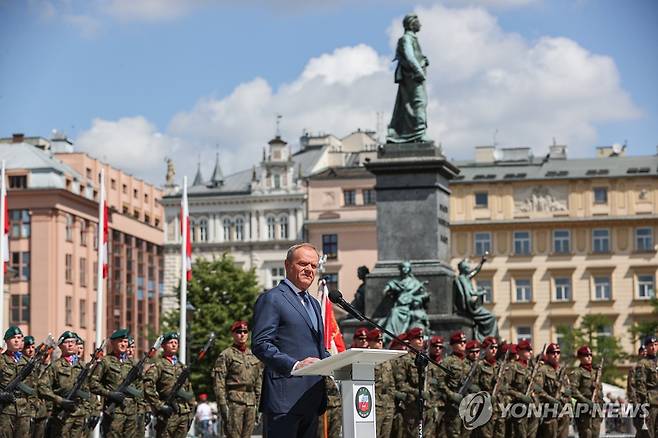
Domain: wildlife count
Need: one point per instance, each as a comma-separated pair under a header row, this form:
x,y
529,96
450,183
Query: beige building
x,y
53,211
566,237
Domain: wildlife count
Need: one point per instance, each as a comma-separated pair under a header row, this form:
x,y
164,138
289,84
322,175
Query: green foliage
x,y
640,329
221,292
608,347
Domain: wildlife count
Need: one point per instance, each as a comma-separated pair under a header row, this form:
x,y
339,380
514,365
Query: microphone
x,y
337,298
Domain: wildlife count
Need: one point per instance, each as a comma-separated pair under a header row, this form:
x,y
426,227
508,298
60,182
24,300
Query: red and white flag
x,y
104,255
333,338
5,227
185,229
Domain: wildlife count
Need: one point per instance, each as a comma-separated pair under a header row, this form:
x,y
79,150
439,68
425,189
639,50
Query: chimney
x,y
517,154
18,138
485,154
557,152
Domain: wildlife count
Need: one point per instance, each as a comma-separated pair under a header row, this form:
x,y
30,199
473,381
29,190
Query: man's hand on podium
x,y
304,363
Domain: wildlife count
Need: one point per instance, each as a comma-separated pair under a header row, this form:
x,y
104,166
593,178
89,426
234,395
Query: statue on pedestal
x,y
410,299
468,300
409,120
359,301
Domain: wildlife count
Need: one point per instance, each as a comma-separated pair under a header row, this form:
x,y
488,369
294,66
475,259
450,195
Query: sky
x,y
135,81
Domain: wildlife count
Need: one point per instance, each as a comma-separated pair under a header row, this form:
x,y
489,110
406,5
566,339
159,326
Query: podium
x,y
355,368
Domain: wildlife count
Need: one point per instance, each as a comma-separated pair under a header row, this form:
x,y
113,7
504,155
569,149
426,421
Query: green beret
x,y
120,334
169,336
12,331
131,341
28,340
66,336
80,340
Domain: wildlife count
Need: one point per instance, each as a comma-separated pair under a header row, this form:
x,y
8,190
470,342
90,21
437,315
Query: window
x,y
277,181
239,229
522,242
646,287
20,309
523,332
20,223
83,232
332,280
482,243
20,263
88,172
147,218
124,189
203,230
643,239
603,331
113,184
277,275
18,181
602,288
562,289
601,240
135,193
226,224
523,290
68,271
369,197
68,315
146,197
600,195
349,196
487,288
271,228
83,272
283,227
69,228
481,200
83,313
561,241
330,245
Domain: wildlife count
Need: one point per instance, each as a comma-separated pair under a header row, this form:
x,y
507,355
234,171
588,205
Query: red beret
x,y
375,335
524,344
488,341
436,340
239,325
584,351
415,333
361,332
472,345
395,345
552,348
457,337
509,347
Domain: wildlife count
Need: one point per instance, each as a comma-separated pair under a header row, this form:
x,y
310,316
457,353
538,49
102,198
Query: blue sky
x,y
133,81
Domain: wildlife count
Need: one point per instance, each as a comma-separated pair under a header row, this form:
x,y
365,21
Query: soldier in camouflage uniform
x,y
582,380
173,421
237,377
436,404
108,375
142,406
69,415
15,415
91,404
549,382
360,338
37,404
384,388
517,379
646,386
398,419
486,380
449,384
631,395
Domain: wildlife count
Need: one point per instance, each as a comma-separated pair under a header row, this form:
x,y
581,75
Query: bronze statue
x,y
359,301
410,300
171,172
409,120
468,301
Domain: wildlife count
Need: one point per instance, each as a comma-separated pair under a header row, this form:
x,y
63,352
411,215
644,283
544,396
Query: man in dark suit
x,y
288,335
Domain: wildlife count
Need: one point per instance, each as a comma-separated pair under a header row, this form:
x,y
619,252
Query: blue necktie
x,y
309,309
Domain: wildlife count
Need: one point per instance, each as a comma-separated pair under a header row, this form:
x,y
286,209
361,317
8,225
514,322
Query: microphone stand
x,y
422,359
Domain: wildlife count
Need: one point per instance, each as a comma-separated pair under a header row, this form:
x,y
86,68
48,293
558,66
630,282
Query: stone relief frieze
x,y
541,199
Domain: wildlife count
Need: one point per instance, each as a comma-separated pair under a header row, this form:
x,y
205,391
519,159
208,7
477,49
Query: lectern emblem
x,y
363,402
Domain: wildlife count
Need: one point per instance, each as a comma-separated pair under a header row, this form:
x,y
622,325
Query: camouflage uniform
x,y
15,418
449,384
397,427
582,389
41,407
547,382
333,414
646,390
140,400
55,386
108,375
631,396
486,380
384,398
237,376
158,383
517,379
406,374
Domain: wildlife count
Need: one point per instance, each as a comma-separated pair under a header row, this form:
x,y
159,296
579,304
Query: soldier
x,y
91,403
646,386
436,404
397,427
15,408
140,400
237,377
449,384
360,338
486,380
68,416
173,421
548,389
108,375
384,388
38,412
582,381
630,388
517,378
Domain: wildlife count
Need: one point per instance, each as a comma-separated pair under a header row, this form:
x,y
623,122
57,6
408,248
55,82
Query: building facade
x,y
53,210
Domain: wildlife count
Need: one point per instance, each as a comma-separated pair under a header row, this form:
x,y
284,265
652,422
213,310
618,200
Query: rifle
x,y
467,381
535,368
185,374
17,382
74,393
597,380
499,376
125,386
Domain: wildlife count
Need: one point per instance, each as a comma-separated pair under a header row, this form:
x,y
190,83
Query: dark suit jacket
x,y
282,335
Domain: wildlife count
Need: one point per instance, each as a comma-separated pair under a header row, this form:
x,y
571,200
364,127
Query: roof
x,y
27,156
342,173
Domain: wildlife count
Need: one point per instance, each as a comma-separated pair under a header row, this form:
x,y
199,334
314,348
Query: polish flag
x,y
185,228
333,338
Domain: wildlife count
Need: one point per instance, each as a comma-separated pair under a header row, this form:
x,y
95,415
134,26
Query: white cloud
x,y
149,10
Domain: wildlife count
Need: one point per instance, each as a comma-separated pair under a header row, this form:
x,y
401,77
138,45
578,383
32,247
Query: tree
x,y
640,329
221,292
589,332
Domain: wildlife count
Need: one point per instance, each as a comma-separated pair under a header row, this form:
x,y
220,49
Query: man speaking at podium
x,y
288,335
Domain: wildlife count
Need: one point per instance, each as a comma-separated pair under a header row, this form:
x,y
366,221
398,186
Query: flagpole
x,y
3,200
182,343
101,260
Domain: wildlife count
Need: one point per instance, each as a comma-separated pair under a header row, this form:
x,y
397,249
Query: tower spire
x,y
217,178
198,178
